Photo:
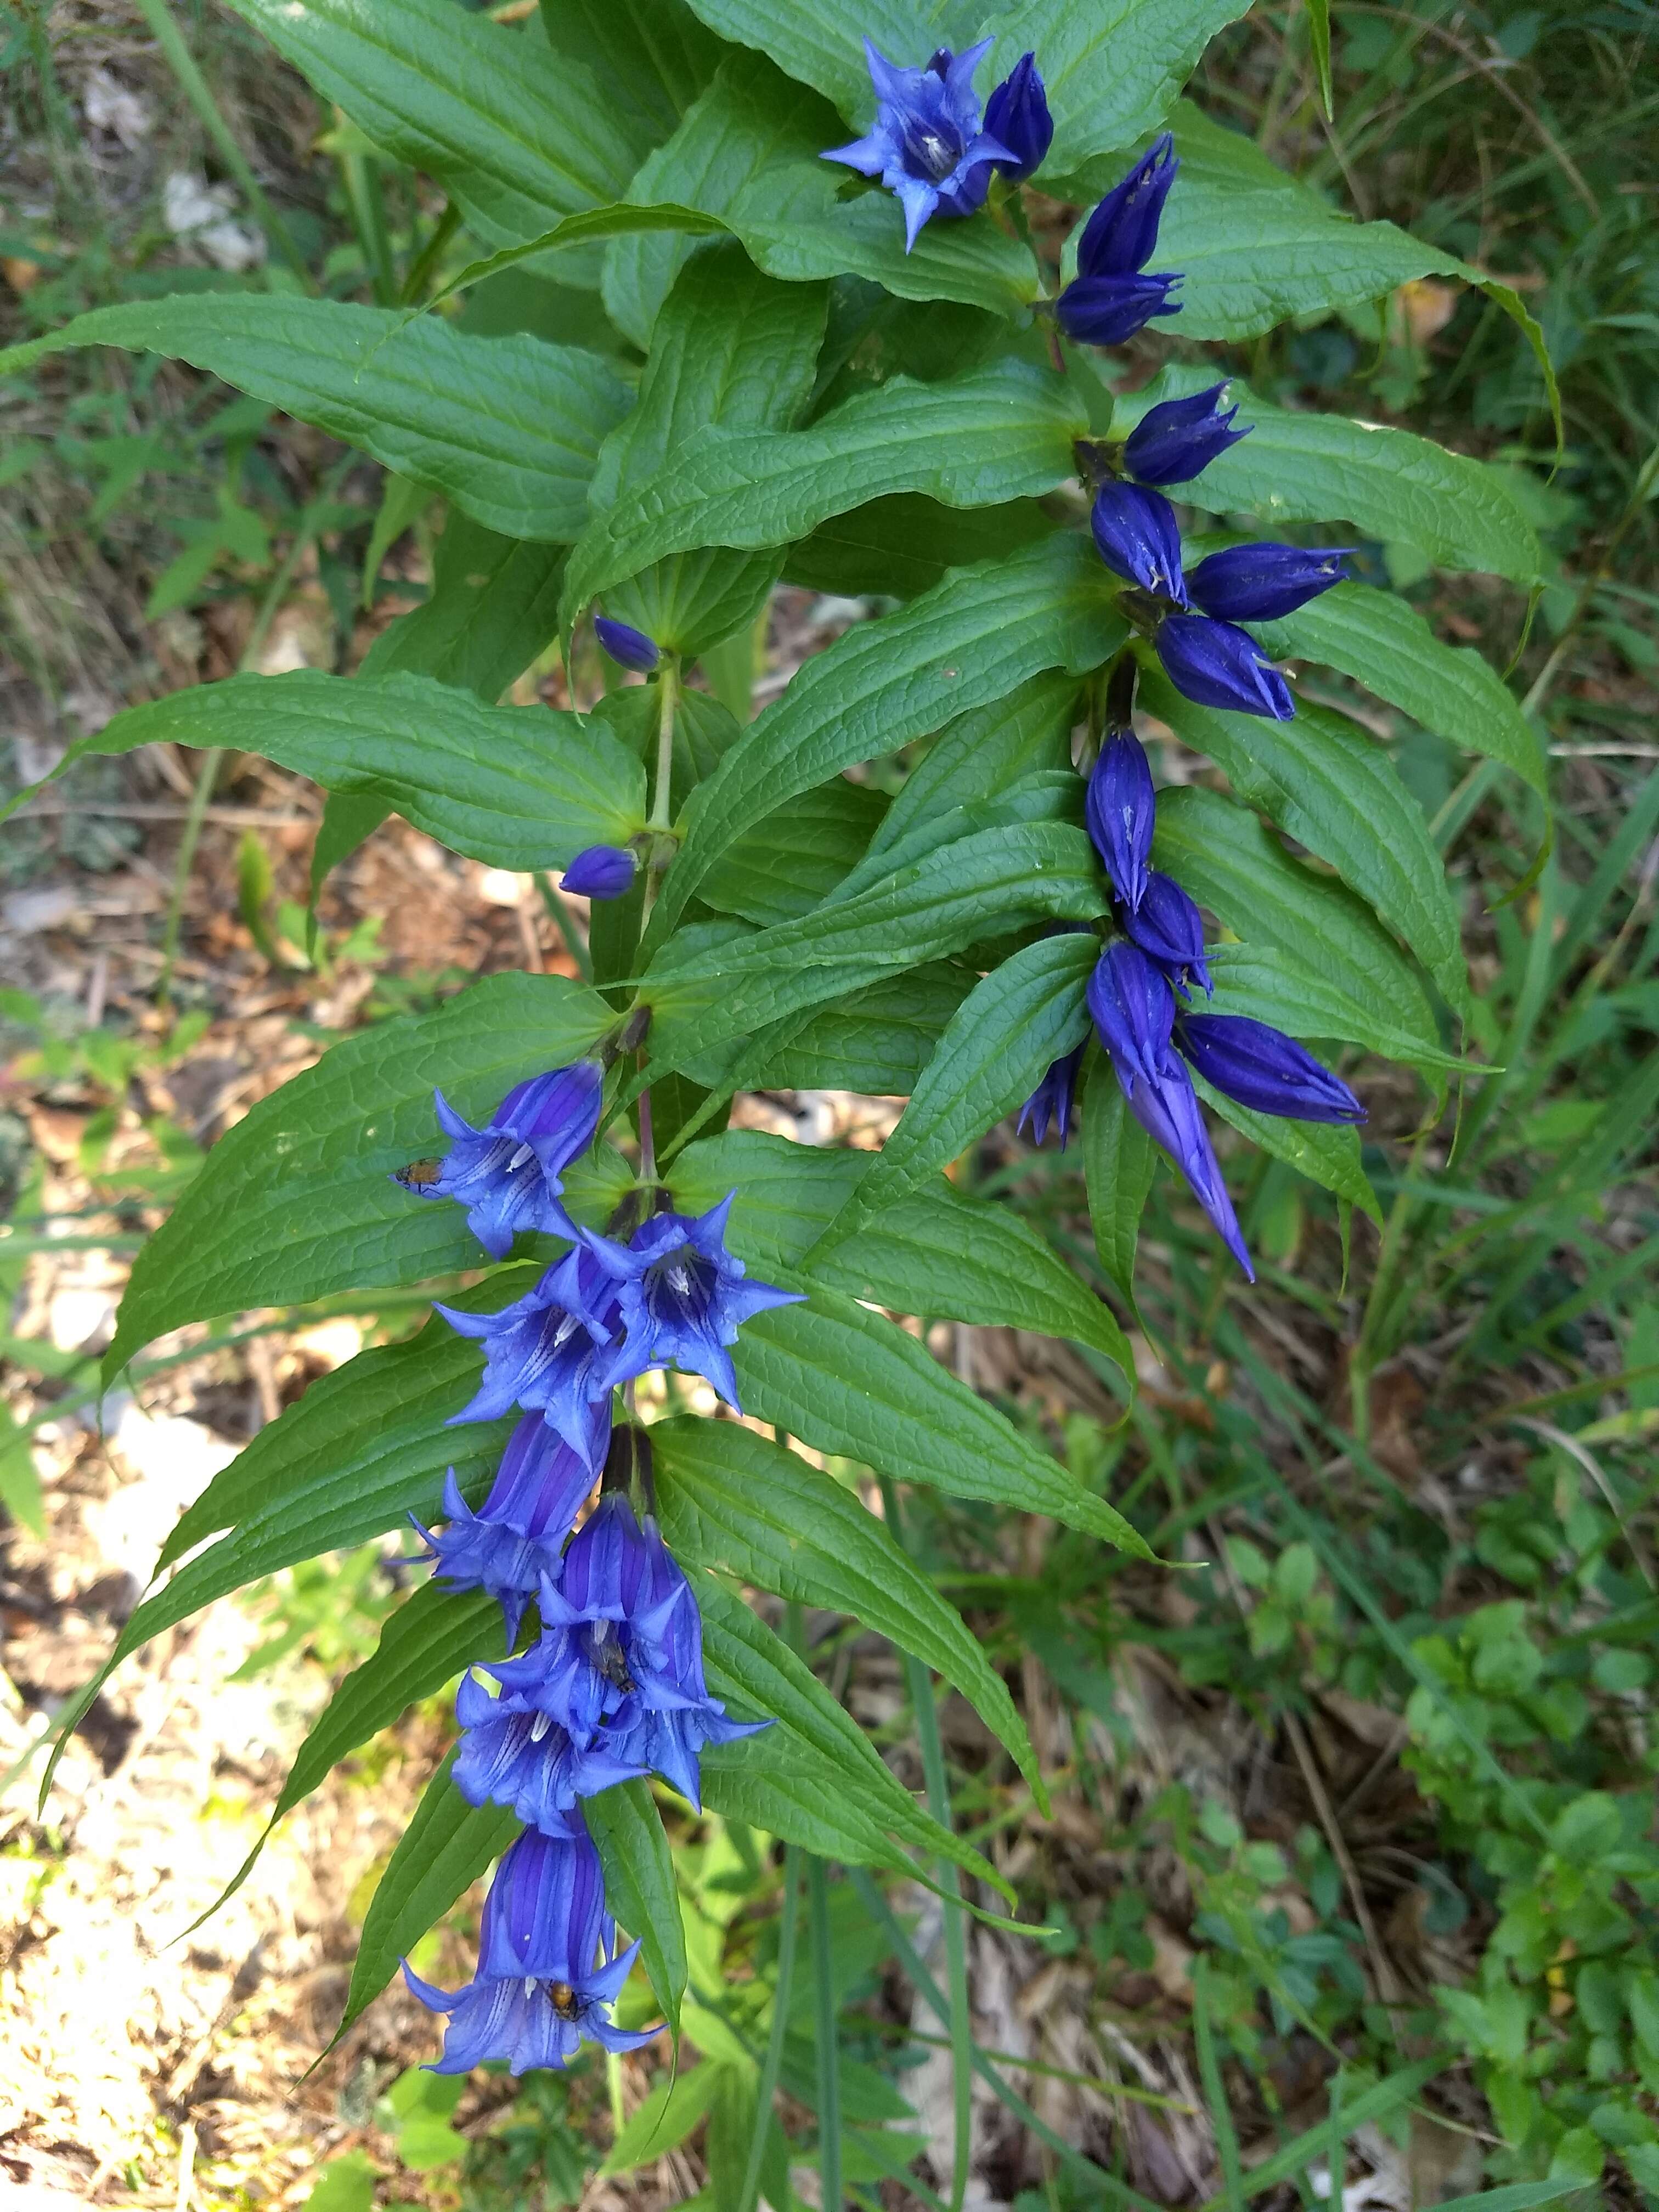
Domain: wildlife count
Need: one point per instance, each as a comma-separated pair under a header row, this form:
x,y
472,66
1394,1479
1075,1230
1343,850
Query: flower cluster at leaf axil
x,y
611,1688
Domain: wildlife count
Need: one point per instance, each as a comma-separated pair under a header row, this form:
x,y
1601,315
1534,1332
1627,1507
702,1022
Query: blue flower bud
x,y
1216,665
601,872
1260,583
1176,440
1108,310
517,1533
1119,806
1017,113
926,145
629,647
1166,1106
1169,930
1121,235
1132,1009
1054,1099
1264,1070
1137,537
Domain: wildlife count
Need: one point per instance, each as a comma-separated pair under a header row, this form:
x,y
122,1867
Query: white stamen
x,y
539,1726
530,1985
679,1279
565,1331
525,1152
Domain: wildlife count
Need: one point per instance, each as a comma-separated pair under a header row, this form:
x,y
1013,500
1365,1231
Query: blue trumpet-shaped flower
x,y
1260,582
927,144
1264,1069
1136,536
1133,1008
1168,928
547,1967
1017,113
544,1352
1177,440
1111,298
628,646
518,1535
1054,1100
514,1752
508,1175
682,1297
601,872
1119,806
1216,664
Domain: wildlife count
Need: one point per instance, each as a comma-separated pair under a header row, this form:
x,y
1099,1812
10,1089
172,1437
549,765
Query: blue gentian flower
x,y
682,1298
518,1535
1218,665
1136,536
1054,1100
628,646
1133,1008
926,145
1264,1069
544,1352
1261,583
1110,299
1119,806
548,1971
1017,113
1176,440
601,872
514,1752
507,1174
1169,929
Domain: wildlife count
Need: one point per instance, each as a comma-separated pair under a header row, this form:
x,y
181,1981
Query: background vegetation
x,y
1351,1877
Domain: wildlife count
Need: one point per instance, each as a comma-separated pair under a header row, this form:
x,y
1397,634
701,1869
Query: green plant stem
x,y
194,86
961,2020
362,179
829,2054
668,690
426,261
565,922
772,2063
207,773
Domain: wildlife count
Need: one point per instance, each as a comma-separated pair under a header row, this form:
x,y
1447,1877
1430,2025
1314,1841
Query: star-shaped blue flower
x,y
926,144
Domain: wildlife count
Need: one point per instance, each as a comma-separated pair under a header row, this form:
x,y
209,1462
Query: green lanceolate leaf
x,y
732,348
360,1451
515,137
1304,925
447,1844
663,2120
1335,790
510,427
781,1788
999,433
876,1040
1256,248
937,1253
493,606
640,1887
791,862
997,881
1326,468
297,1199
1119,1163
902,547
1324,1153
1025,1015
978,758
733,1501
650,57
750,151
1112,71
432,1637
847,1381
974,640
518,788
824,45
1383,643
751,1668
